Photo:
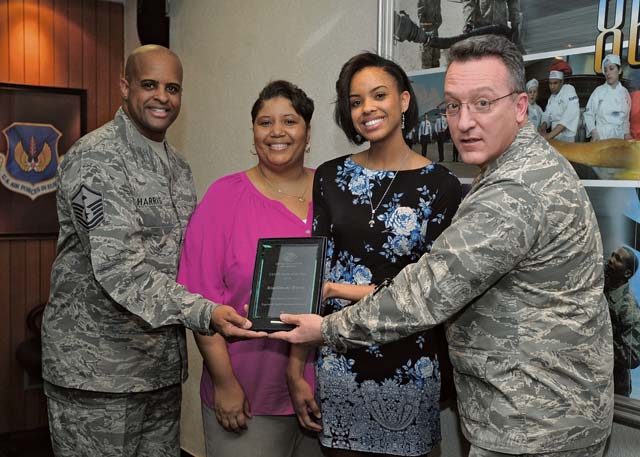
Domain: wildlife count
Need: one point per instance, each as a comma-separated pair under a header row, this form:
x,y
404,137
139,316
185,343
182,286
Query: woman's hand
x,y
304,403
327,290
594,135
231,406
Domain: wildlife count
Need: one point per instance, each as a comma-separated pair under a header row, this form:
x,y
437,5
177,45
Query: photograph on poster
x,y
424,28
618,214
599,114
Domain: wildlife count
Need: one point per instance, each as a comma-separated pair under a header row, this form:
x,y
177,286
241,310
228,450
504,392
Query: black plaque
x,y
287,278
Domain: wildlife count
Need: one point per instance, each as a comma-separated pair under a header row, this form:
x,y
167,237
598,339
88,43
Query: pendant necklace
x,y
372,221
300,198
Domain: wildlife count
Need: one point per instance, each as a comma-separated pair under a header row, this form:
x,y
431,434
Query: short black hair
x,y
342,111
280,88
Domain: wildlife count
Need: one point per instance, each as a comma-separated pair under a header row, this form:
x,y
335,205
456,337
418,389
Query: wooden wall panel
x,y
61,43
5,336
89,61
116,65
75,43
16,42
31,42
4,40
45,43
102,59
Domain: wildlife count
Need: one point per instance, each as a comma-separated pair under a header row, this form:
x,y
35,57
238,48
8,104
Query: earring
x,y
307,150
403,120
358,138
252,150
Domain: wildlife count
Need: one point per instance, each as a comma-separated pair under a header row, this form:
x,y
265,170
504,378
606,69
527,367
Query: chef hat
x,y
610,58
555,74
531,83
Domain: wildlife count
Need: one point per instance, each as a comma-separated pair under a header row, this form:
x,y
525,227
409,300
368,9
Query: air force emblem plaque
x,y
31,160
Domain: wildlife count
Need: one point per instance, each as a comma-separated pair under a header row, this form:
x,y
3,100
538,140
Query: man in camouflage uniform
x,y
430,16
625,317
113,337
518,276
481,13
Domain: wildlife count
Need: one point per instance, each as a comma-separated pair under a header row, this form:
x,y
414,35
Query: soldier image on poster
x,y
430,16
625,317
482,13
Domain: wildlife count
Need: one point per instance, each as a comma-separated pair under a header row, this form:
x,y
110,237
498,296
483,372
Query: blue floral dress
x,y
381,399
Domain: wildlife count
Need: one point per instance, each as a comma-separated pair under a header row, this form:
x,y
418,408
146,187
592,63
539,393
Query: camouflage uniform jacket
x,y
625,321
115,318
519,275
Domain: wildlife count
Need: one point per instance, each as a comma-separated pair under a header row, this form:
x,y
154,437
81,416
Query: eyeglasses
x,y
481,105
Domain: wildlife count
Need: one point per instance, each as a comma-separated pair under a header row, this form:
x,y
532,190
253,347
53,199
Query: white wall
x,y
231,49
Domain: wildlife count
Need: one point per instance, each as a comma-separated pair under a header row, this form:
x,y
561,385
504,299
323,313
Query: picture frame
x,y
38,124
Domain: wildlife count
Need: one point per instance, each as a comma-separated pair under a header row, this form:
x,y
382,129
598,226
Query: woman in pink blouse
x,y
246,405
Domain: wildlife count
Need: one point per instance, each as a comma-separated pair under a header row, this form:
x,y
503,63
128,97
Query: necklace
x,y
372,221
300,198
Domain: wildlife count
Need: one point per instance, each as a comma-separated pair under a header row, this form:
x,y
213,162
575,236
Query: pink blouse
x,y
217,262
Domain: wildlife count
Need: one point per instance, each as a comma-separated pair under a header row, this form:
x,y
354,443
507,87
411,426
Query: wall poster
x,y
572,39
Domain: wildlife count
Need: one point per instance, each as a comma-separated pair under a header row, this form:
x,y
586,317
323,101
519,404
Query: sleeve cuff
x,y
330,334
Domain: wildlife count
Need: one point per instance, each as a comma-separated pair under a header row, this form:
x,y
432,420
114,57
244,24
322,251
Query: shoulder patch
x,y
88,208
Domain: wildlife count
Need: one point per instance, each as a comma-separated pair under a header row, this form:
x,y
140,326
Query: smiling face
x,y
612,73
376,104
280,134
482,137
152,93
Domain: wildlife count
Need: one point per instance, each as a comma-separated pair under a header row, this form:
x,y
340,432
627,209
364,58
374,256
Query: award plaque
x,y
287,278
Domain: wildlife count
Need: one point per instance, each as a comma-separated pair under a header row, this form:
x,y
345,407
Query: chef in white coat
x,y
563,110
607,113
534,112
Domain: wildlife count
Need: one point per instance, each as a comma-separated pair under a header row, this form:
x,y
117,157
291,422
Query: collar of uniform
x,y
144,153
615,295
515,151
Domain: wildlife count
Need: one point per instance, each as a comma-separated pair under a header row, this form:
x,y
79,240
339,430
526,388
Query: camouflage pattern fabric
x,y
596,450
519,275
90,424
625,320
115,318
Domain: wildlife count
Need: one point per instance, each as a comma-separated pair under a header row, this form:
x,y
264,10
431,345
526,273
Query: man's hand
x,y
228,323
307,329
232,407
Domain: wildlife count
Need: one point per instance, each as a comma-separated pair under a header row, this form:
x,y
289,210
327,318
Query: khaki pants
x,y
265,436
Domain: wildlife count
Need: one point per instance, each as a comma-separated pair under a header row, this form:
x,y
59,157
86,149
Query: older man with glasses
x,y
518,276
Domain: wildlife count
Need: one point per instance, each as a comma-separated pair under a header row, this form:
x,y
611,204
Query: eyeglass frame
x,y
473,104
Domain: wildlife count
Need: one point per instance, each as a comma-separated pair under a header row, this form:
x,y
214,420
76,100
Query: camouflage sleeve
x,y
625,318
493,231
134,263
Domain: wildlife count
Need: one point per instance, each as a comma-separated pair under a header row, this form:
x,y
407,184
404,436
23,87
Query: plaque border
x,y
269,324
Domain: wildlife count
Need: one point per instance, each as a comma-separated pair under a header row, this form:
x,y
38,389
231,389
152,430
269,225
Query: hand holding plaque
x,y
287,278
